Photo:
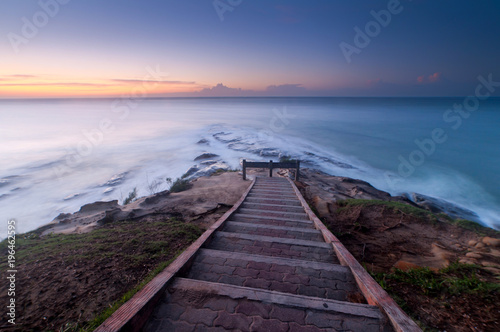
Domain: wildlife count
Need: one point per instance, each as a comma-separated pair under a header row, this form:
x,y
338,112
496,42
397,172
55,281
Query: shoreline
x,y
92,213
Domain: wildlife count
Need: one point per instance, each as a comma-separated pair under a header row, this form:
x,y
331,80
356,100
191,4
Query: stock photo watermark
x,y
223,6
454,116
11,271
278,123
31,27
372,29
120,108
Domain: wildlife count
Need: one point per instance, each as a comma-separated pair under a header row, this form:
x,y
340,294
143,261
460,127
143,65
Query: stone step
x,y
270,273
273,207
269,191
309,234
261,179
194,305
275,247
250,218
274,214
273,186
291,202
272,196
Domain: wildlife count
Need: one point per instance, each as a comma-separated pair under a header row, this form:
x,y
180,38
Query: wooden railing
x,y
270,165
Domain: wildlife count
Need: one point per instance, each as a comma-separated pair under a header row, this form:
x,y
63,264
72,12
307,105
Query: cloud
x,y
220,90
286,90
436,77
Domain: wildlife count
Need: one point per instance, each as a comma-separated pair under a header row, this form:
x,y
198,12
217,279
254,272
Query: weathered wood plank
x,y
132,315
372,291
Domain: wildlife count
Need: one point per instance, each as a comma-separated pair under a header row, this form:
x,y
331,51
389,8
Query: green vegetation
x,y
105,242
137,246
180,185
395,206
131,197
99,319
455,279
417,212
473,226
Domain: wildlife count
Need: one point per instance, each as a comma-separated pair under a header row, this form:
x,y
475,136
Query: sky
x,y
95,48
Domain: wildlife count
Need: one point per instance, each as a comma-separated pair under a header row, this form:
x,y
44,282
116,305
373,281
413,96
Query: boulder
x,y
98,207
492,242
437,205
206,155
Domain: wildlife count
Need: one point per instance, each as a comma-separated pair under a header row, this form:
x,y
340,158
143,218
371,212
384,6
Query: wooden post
x,y
244,169
270,168
298,170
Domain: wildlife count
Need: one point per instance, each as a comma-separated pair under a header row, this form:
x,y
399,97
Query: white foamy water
x,y
57,155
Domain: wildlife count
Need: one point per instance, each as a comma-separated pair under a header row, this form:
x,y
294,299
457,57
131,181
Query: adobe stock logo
x,y
453,119
373,28
48,10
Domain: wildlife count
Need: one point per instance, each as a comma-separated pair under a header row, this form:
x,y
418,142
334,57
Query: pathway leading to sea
x,y
268,268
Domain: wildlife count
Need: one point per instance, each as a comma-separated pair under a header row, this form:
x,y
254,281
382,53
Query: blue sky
x,y
429,48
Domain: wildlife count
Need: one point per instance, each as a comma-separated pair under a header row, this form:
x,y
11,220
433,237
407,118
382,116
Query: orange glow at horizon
x,y
28,87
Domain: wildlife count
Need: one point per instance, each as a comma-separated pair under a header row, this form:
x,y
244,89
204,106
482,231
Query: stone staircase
x,y
267,268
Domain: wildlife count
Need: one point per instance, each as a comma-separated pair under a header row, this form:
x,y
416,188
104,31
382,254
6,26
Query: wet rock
x,y
191,171
209,170
208,162
98,206
206,155
436,205
63,216
202,141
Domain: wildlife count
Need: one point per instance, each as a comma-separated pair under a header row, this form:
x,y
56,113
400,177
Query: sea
x,y
59,154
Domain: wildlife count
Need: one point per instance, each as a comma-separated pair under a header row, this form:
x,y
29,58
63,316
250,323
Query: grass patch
x,y
473,226
180,185
131,197
455,279
395,206
99,319
135,250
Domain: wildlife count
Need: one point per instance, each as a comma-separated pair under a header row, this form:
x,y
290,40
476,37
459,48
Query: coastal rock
x,y
474,255
480,245
115,214
63,216
489,241
206,155
191,171
116,179
98,206
209,170
203,141
208,162
155,198
436,205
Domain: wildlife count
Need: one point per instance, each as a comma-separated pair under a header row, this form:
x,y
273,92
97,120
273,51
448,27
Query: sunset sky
x,y
96,48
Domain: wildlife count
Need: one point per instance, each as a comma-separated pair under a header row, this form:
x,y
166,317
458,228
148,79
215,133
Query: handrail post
x,y
298,170
244,169
270,168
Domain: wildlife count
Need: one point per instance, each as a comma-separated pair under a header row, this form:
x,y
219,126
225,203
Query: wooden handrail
x,y
271,165
372,291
